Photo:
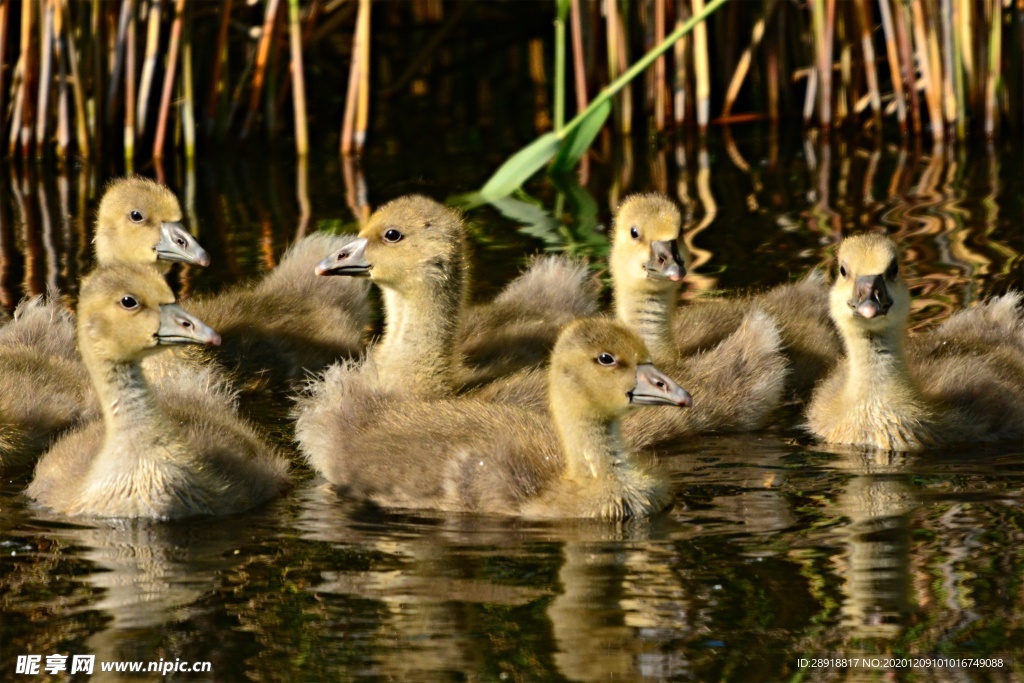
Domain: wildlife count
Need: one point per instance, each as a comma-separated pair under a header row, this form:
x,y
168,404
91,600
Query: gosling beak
x,y
177,244
654,388
665,262
872,297
179,327
349,260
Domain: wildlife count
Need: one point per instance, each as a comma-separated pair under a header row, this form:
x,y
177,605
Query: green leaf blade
x,y
578,141
520,167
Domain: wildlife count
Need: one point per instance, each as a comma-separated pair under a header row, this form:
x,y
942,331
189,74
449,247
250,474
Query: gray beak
x,y
872,296
349,260
654,388
177,244
180,327
665,261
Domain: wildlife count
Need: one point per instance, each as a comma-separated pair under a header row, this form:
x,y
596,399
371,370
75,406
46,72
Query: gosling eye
x,y
393,235
136,216
607,360
129,303
634,233
892,271
842,270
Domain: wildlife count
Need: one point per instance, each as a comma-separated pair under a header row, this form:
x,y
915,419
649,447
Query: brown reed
x,y
920,65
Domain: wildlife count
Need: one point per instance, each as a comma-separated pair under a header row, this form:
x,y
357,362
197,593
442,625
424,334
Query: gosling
x,y
466,455
962,383
178,452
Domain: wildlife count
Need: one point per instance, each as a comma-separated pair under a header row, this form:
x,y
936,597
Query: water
x,y
775,550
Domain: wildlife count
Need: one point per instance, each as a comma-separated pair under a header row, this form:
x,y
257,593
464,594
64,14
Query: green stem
x,y
559,73
619,83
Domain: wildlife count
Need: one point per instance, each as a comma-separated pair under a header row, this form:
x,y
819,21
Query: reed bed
x,y
148,78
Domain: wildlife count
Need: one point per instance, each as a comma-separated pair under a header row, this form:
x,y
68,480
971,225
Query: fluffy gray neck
x,y
650,314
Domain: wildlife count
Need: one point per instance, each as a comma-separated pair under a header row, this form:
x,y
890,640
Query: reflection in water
x,y
878,502
773,551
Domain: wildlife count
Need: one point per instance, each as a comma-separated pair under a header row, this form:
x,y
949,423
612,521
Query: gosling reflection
x,y
620,607
432,578
146,579
614,609
878,500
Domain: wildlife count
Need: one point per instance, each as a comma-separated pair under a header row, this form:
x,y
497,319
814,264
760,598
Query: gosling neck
x,y
417,351
125,399
592,444
650,312
877,365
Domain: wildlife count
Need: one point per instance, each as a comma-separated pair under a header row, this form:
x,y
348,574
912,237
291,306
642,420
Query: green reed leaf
x,y
523,164
579,139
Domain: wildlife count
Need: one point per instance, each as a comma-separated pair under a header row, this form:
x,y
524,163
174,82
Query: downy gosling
x,y
649,303
960,383
178,452
414,249
738,382
44,388
467,455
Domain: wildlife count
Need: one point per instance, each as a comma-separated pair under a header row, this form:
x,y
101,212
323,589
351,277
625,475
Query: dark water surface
x,y
776,549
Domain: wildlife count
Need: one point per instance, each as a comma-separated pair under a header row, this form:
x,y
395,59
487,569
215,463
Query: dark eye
x,y
842,271
129,303
634,233
136,216
392,235
892,271
606,359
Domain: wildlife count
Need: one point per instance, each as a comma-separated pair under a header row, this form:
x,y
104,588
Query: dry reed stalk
x,y
994,61
966,53
774,76
129,94
612,42
220,56
959,67
363,101
93,54
45,73
870,73
148,64
811,96
744,64
63,114
28,73
169,73
261,65
117,58
700,58
298,96
845,95
824,27
579,65
906,47
541,117
932,95
302,193
3,58
355,189
894,60
19,92
352,94
188,110
680,52
81,121
659,68
935,62
948,95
